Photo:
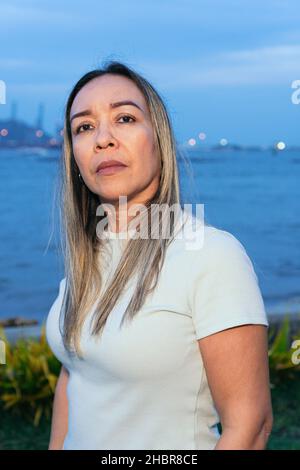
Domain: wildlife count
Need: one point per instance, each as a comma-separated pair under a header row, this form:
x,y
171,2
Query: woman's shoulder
x,y
223,288
202,238
58,301
218,255
62,282
62,286
219,241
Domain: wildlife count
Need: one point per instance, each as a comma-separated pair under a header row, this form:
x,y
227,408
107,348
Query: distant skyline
x,y
224,68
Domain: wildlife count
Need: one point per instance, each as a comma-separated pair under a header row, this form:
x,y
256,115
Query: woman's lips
x,y
111,170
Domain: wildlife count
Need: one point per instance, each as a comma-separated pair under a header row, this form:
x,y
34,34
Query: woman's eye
x,y
128,117
85,127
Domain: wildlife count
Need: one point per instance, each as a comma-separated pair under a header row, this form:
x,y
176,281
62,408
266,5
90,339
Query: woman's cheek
x,y
79,147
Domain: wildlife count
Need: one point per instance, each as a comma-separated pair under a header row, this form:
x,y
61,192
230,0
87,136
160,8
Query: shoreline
x,y
13,333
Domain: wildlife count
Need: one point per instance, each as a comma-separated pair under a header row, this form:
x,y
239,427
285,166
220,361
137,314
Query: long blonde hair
x,y
79,242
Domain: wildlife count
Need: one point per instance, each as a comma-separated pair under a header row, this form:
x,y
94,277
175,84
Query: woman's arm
x,y
236,364
59,425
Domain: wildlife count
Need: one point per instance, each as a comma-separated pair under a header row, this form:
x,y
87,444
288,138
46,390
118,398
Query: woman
x,y
193,352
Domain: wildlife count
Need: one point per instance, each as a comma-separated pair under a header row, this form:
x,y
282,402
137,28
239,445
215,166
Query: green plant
x,y
280,350
29,377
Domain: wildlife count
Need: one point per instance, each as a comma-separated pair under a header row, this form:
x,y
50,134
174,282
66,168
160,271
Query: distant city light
x,y
62,132
223,142
280,145
53,141
39,133
3,132
202,136
191,142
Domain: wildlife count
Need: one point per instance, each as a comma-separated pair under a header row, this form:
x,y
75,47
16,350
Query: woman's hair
x,y
81,247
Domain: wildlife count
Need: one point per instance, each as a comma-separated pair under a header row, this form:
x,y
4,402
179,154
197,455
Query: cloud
x,y
39,88
14,63
16,13
266,53
271,65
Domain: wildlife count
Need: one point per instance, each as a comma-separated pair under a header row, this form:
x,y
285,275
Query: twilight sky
x,y
223,67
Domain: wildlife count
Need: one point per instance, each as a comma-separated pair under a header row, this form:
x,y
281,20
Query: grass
x,y
286,410
17,432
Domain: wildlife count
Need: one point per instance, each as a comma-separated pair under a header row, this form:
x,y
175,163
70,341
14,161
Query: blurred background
x,y
229,73
226,71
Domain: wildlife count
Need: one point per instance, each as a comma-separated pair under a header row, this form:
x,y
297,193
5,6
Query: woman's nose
x,y
104,138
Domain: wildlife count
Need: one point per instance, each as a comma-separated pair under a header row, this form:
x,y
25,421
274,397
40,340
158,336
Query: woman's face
x,y
123,133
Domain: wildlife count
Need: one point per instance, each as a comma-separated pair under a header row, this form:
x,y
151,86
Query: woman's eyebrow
x,y
87,112
125,103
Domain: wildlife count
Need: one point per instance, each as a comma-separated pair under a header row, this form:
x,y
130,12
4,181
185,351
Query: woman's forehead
x,y
105,90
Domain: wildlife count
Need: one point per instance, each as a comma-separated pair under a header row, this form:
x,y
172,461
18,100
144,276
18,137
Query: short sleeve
x,y
225,290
